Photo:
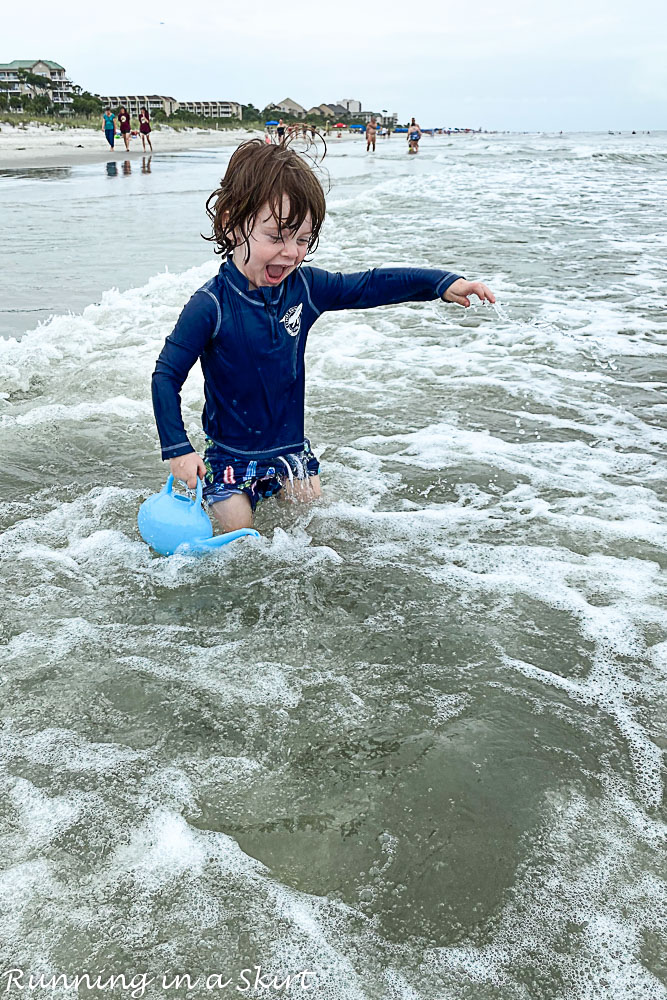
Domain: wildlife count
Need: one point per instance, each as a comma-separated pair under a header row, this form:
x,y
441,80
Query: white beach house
x,y
61,89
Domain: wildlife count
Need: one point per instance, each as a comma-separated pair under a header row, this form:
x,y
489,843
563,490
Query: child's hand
x,y
460,289
188,468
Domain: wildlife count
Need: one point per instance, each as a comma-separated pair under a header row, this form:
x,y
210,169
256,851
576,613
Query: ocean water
x,y
411,739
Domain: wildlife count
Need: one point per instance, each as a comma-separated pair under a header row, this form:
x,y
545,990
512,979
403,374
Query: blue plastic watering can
x,y
170,522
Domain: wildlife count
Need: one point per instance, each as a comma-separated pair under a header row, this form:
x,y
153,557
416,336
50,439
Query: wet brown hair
x,y
260,174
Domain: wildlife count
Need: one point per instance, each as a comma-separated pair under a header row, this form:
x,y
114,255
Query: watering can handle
x,y
169,485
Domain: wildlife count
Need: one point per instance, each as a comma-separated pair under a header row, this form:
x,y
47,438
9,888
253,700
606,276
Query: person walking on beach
x,y
125,126
371,132
280,132
145,128
414,135
108,119
248,327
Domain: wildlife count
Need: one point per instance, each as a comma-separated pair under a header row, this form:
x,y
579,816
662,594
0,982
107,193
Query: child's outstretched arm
x,y
388,286
460,290
196,326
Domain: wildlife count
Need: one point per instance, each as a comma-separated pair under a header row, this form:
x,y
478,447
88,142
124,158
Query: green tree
x,y
249,113
41,104
35,81
86,104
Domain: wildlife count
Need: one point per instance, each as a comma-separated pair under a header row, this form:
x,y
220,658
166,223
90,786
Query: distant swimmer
x,y
280,131
414,135
371,133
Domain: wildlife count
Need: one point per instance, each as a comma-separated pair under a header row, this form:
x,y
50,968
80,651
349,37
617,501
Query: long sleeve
x,y
198,322
379,287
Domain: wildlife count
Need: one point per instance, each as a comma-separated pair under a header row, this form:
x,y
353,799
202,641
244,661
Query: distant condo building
x,y
289,107
152,103
61,89
338,110
348,108
381,117
158,102
325,110
212,109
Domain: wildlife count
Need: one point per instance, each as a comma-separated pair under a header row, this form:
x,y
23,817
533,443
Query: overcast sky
x,y
508,64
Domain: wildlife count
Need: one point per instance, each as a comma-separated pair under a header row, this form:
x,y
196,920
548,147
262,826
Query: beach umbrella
x,y
270,123
340,125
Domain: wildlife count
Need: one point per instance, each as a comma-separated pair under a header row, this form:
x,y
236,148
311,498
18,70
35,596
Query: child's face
x,y
274,253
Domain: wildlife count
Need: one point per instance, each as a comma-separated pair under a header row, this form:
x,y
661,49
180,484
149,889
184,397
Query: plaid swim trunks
x,y
227,474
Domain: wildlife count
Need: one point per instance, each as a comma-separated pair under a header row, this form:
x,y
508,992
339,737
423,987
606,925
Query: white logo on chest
x,y
292,320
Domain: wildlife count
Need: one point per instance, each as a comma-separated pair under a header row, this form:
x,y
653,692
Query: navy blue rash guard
x,y
251,344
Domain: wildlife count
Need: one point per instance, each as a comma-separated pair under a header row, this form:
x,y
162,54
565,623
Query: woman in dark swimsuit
x,y
125,126
145,128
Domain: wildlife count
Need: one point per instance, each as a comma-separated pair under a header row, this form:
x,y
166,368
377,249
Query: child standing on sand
x,y
125,126
145,128
108,119
248,327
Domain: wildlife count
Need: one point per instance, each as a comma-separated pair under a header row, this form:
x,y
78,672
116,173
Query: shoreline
x,y
37,147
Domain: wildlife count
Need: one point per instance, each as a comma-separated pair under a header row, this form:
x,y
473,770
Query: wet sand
x,y
40,146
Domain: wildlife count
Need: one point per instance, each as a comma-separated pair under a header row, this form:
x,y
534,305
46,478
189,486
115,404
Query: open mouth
x,y
275,273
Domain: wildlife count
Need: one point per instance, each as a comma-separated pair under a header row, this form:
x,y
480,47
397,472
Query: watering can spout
x,y
203,545
170,522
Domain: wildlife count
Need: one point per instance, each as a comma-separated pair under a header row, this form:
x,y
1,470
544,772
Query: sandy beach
x,y
40,146
27,146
